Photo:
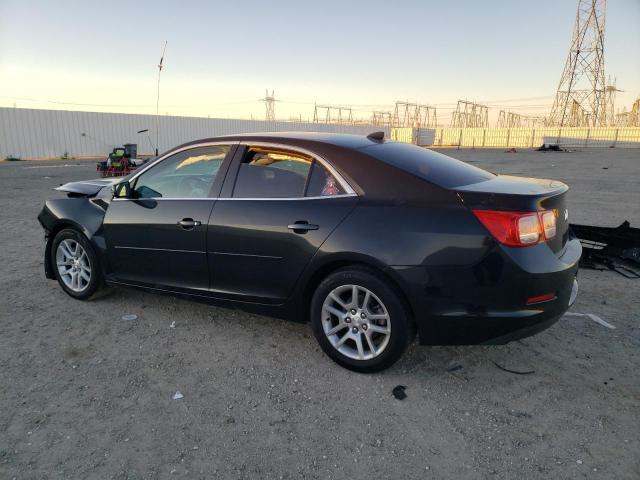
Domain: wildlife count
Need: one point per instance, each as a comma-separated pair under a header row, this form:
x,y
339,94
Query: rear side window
x,y
266,173
434,167
322,183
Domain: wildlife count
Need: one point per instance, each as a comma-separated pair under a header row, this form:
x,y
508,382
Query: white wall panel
x,y
31,133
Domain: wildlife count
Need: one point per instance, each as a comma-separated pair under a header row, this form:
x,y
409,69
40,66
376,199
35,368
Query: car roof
x,y
337,139
352,156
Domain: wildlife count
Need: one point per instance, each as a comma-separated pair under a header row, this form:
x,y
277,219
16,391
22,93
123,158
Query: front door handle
x,y
189,223
302,226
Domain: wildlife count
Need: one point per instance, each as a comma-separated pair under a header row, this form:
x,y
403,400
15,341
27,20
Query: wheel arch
x,y
334,263
56,228
76,213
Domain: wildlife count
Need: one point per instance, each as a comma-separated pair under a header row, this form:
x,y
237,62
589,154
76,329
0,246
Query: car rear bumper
x,y
487,303
498,328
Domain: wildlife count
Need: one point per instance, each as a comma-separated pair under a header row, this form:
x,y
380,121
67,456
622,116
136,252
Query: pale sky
x,y
222,55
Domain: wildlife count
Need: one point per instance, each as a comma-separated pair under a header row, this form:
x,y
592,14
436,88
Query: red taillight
x,y
518,229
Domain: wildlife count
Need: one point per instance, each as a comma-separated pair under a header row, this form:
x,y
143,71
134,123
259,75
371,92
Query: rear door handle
x,y
302,226
189,223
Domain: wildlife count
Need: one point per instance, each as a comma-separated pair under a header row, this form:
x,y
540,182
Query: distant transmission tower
x,y
580,99
470,115
332,114
381,119
610,91
270,104
517,120
414,115
630,118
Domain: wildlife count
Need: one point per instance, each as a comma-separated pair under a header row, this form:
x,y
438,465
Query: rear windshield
x,y
434,167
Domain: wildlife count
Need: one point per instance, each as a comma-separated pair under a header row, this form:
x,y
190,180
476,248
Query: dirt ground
x,y
86,394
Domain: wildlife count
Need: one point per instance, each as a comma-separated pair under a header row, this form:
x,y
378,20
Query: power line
x,y
58,102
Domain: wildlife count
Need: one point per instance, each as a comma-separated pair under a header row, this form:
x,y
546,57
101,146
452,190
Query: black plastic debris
x,y
454,368
549,147
398,392
517,372
610,248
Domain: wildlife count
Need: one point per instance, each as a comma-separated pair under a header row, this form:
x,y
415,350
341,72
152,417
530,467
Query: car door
x,y
157,236
277,207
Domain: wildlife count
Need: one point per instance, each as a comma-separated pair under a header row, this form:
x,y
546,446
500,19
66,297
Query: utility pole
x,y
580,98
158,98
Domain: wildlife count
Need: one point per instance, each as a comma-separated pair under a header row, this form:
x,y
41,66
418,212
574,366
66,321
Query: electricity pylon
x,y
269,103
580,99
610,91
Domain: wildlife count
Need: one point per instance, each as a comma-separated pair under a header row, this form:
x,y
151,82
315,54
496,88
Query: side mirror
x,y
121,190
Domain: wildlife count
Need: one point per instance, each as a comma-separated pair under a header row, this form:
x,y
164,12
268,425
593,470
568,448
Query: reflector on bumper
x,y
574,292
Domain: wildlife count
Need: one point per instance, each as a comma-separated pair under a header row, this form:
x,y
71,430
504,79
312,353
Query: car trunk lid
x,y
521,194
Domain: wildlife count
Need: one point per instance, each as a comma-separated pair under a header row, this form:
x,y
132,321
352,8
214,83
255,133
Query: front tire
x,y
360,320
75,264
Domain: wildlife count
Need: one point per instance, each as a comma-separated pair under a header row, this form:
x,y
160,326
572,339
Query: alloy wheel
x,y
73,265
356,322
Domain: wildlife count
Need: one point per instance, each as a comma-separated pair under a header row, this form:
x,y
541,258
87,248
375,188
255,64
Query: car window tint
x,y
322,183
272,174
434,167
188,174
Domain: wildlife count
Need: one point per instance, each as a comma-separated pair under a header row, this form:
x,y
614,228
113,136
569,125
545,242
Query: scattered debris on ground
x,y
129,317
398,392
517,372
178,395
550,147
610,248
593,317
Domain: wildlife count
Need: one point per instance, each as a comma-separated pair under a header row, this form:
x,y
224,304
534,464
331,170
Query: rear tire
x,y
360,320
75,264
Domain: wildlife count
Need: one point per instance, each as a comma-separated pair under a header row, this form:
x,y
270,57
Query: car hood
x,y
88,188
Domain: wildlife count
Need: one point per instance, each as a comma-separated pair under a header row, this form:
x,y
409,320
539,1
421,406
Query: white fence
x,y
30,133
576,137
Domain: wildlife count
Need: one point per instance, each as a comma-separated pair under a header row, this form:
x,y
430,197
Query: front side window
x,y
187,174
267,173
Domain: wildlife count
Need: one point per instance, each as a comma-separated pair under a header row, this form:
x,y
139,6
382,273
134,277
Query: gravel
x,y
85,393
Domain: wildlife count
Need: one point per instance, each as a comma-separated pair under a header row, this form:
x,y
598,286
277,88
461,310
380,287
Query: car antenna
x,y
376,136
